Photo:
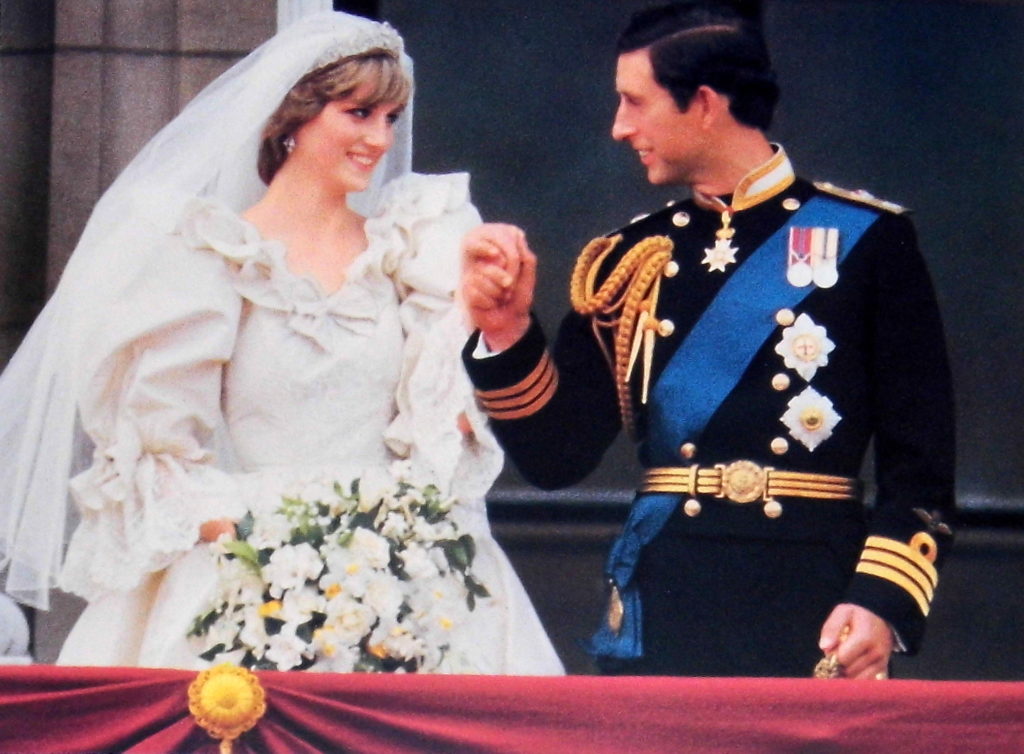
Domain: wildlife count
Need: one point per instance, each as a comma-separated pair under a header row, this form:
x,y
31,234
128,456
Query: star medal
x,y
723,253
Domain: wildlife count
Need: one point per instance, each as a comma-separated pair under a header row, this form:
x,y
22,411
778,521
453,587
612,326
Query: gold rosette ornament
x,y
226,701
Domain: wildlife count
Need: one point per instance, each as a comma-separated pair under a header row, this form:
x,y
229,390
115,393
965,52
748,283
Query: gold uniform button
x,y
688,450
785,317
691,508
681,219
781,381
780,445
671,269
791,203
666,327
773,509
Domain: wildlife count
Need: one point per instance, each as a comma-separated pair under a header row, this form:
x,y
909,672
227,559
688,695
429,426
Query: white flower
x,y
425,531
383,595
285,649
291,566
394,526
270,532
351,619
810,418
374,486
805,346
417,562
298,605
371,547
253,633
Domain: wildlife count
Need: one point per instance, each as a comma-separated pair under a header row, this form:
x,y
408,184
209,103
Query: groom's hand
x,y
498,276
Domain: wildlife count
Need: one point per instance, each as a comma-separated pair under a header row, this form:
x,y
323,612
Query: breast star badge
x,y
720,256
723,253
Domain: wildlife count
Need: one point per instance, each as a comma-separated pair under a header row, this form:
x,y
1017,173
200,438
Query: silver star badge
x,y
720,256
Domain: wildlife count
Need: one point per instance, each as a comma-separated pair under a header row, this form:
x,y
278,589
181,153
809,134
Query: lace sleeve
x,y
149,398
425,218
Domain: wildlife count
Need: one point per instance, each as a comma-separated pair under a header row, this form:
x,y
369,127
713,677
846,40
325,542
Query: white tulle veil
x,y
210,149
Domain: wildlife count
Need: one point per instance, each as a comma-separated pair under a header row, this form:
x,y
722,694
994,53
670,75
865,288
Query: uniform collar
x,y
760,184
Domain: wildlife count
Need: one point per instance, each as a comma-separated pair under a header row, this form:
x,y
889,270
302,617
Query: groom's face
x,y
669,141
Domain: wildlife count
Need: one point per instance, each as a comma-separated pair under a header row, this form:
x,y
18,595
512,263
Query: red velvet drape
x,y
50,709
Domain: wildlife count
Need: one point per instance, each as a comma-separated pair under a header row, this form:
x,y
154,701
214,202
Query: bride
x,y
262,300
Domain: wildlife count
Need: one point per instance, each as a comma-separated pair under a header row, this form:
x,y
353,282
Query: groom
x,y
753,340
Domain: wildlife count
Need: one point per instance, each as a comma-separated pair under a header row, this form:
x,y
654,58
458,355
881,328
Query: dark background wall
x,y
920,102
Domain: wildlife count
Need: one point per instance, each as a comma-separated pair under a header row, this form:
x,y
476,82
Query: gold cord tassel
x,y
625,302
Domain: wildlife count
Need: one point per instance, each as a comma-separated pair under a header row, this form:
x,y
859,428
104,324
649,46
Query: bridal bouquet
x,y
371,577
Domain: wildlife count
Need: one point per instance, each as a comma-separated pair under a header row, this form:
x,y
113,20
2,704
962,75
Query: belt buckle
x,y
743,481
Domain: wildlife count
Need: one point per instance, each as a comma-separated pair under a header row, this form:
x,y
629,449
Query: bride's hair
x,y
334,81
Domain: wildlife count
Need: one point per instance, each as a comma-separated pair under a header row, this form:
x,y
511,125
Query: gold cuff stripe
x,y
531,398
897,578
904,551
896,563
523,385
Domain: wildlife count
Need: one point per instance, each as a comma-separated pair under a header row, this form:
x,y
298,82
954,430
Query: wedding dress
x,y
220,378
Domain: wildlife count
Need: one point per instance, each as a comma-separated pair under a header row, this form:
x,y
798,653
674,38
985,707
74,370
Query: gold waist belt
x,y
746,482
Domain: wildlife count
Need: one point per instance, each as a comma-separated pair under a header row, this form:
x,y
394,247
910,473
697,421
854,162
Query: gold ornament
x,y
226,701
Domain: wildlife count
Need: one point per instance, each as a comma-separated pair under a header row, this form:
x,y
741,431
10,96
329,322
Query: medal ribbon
x,y
699,377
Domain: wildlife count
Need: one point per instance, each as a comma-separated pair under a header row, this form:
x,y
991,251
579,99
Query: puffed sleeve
x,y
422,221
149,398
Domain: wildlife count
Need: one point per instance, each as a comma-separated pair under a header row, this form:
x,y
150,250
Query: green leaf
x,y
201,625
456,553
212,652
475,587
467,541
244,552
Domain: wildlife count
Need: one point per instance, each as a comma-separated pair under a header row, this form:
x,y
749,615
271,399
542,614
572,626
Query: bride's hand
x,y
211,531
498,277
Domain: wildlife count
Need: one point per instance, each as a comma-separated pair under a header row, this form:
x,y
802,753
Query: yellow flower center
x,y
270,609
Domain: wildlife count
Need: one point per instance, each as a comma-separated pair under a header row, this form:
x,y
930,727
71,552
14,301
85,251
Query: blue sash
x,y
699,377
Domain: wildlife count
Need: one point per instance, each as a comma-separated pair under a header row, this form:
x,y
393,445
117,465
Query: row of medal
x,y
812,254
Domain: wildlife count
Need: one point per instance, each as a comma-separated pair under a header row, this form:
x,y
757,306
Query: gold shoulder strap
x,y
860,196
625,302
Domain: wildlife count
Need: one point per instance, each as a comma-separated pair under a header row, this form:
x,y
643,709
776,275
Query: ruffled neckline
x,y
260,273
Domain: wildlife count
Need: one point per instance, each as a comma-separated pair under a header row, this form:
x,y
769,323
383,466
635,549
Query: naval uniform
x,y
754,391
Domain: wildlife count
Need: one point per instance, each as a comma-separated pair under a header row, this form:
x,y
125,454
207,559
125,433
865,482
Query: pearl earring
x,y
289,143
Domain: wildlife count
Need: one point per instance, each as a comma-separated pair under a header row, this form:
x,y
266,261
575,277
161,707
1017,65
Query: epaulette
x,y
862,196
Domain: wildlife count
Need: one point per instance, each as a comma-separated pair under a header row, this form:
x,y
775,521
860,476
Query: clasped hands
x,y
499,272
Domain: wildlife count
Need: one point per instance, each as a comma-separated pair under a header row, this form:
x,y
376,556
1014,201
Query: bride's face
x,y
344,143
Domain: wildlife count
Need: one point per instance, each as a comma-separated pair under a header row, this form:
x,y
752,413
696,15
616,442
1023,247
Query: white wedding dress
x,y
220,379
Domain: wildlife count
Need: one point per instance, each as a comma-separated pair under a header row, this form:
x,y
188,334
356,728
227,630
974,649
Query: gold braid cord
x,y
630,289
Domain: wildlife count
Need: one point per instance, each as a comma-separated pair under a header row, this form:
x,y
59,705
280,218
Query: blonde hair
x,y
334,81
